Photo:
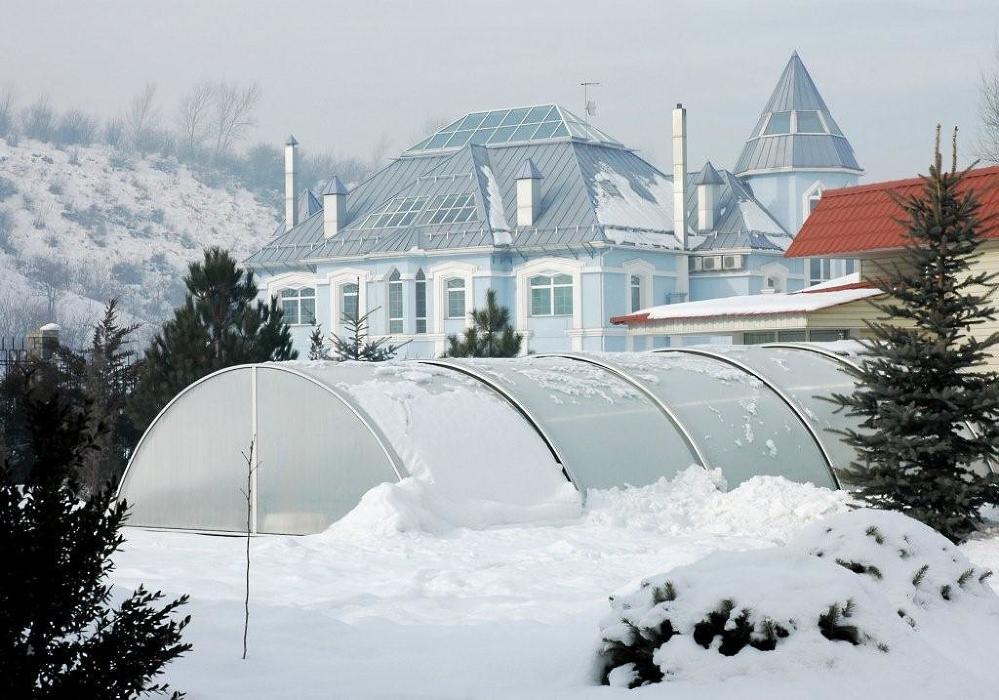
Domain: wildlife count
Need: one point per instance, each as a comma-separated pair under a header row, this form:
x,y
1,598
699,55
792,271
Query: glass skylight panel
x,y
493,118
780,123
448,209
518,125
515,117
401,211
809,123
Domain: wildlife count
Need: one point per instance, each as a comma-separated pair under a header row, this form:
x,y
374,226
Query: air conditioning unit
x,y
732,262
713,262
695,264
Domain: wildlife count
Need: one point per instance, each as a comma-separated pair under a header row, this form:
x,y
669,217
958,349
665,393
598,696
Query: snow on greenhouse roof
x,y
517,125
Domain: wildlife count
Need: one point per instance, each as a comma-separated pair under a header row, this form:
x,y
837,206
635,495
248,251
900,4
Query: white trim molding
x,y
550,266
440,274
291,280
645,271
778,272
347,276
815,188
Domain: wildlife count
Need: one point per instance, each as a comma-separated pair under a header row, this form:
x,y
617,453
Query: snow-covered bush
x,y
872,582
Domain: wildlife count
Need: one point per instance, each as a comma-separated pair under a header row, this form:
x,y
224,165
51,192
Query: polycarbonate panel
x,y
315,456
807,379
737,423
606,431
852,351
189,468
452,431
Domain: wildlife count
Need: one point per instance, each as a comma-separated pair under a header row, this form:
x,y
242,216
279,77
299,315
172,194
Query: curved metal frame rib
x,y
517,406
788,401
656,401
365,419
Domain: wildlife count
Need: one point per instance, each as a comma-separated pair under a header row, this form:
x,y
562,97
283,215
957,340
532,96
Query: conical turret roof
x,y
796,130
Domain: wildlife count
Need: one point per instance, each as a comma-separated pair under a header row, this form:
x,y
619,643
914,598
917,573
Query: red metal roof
x,y
855,220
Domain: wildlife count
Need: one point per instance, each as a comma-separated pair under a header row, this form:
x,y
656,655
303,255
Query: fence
x,y
44,345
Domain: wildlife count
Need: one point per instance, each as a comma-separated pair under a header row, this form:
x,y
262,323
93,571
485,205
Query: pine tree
x,y
357,343
219,325
59,635
490,334
924,380
317,343
106,374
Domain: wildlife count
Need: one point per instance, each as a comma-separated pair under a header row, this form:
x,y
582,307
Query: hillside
x,y
82,224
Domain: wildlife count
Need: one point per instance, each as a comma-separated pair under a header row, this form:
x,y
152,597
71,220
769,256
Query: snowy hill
x,y
82,224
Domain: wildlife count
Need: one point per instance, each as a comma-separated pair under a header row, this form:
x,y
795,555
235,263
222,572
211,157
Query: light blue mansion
x,y
570,226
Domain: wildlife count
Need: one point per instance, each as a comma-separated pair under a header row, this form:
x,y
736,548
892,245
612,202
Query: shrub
x,y
7,188
819,589
38,121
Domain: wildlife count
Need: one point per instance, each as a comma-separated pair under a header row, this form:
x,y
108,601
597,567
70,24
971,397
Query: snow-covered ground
x,y
503,612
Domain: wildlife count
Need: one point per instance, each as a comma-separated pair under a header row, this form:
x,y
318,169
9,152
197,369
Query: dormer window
x,y
810,123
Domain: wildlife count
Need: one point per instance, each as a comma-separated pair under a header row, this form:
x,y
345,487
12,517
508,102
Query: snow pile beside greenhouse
x,y
852,590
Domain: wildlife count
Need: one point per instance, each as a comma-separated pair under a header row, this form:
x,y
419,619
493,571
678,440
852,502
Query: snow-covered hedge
x,y
865,582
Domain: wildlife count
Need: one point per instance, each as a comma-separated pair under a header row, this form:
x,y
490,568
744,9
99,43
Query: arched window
x,y
349,300
551,295
395,302
299,306
635,286
421,302
456,298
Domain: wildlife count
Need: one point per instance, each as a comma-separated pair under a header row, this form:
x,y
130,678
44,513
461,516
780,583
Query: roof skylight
x,y
519,125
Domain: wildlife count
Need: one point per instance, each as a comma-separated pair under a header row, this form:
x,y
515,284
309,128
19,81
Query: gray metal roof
x,y
796,130
466,198
335,186
529,171
742,222
708,176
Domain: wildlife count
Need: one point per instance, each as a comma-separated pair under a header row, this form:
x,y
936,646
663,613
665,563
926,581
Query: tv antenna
x,y
589,106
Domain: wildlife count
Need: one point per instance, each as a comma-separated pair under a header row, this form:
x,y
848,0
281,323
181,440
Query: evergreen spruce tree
x,y
925,378
490,334
317,343
357,344
59,635
219,325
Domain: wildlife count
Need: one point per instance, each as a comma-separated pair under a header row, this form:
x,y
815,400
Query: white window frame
x,y
298,303
645,271
420,292
342,297
395,324
336,281
439,275
449,290
778,273
813,193
549,266
551,286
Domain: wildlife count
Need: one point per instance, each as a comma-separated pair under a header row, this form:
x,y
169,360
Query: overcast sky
x,y
346,75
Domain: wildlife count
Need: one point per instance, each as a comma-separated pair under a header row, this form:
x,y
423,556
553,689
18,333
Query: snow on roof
x,y
754,305
619,204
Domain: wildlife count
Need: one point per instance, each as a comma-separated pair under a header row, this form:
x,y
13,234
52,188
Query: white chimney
x,y
290,186
334,207
680,174
708,184
528,193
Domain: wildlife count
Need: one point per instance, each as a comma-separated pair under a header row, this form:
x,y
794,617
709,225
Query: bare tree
x,y
6,110
232,115
193,116
49,276
38,120
251,468
988,142
142,116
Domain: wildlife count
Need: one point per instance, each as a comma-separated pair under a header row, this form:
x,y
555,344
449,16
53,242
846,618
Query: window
x,y
809,123
449,209
456,298
348,300
849,267
828,336
791,336
636,292
758,338
401,211
819,271
395,302
551,296
299,306
421,302
780,123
